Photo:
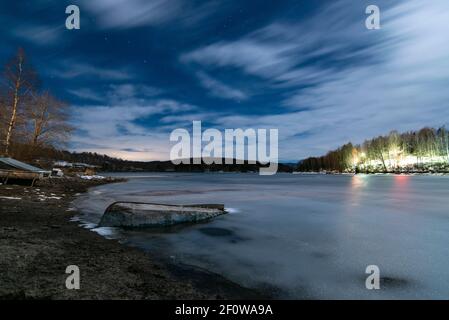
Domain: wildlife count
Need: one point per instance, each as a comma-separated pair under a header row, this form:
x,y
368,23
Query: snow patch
x,y
95,177
43,197
11,198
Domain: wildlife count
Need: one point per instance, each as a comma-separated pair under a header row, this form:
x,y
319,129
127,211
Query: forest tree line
x,y
423,150
32,119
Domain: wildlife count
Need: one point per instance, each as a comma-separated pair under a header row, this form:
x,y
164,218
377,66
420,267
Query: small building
x,y
11,169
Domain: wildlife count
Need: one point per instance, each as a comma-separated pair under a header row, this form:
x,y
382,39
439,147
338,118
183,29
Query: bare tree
x,y
48,120
443,136
379,148
3,121
20,80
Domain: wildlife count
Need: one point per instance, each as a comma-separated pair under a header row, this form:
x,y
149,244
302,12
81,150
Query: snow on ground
x,y
43,197
94,177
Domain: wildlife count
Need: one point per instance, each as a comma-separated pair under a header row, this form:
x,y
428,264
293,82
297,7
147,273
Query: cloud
x,y
73,69
340,81
86,94
128,91
248,54
287,54
39,34
281,51
335,81
118,94
220,89
185,120
125,14
115,126
132,13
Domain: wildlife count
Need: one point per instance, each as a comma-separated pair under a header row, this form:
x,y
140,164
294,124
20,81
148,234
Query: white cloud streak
x,y
219,89
39,34
115,129
126,14
393,78
73,69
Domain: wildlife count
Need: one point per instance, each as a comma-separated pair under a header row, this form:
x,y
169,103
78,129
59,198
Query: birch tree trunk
x,y
15,104
20,81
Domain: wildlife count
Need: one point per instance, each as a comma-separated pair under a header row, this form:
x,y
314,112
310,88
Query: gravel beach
x,y
38,241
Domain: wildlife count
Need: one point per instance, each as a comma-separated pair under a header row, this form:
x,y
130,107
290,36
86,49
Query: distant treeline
x,y
113,164
46,156
423,150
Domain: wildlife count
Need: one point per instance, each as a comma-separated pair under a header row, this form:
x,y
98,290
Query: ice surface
x,y
304,236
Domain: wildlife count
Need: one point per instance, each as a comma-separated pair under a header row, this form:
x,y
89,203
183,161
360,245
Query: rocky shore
x,y
38,242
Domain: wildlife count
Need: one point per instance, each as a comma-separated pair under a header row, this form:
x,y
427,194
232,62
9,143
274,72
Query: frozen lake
x,y
301,236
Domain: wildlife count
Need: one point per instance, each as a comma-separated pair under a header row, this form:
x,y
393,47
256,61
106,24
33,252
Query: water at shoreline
x,y
304,236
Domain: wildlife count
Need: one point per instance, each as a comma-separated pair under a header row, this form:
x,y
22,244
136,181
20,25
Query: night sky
x,y
138,69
